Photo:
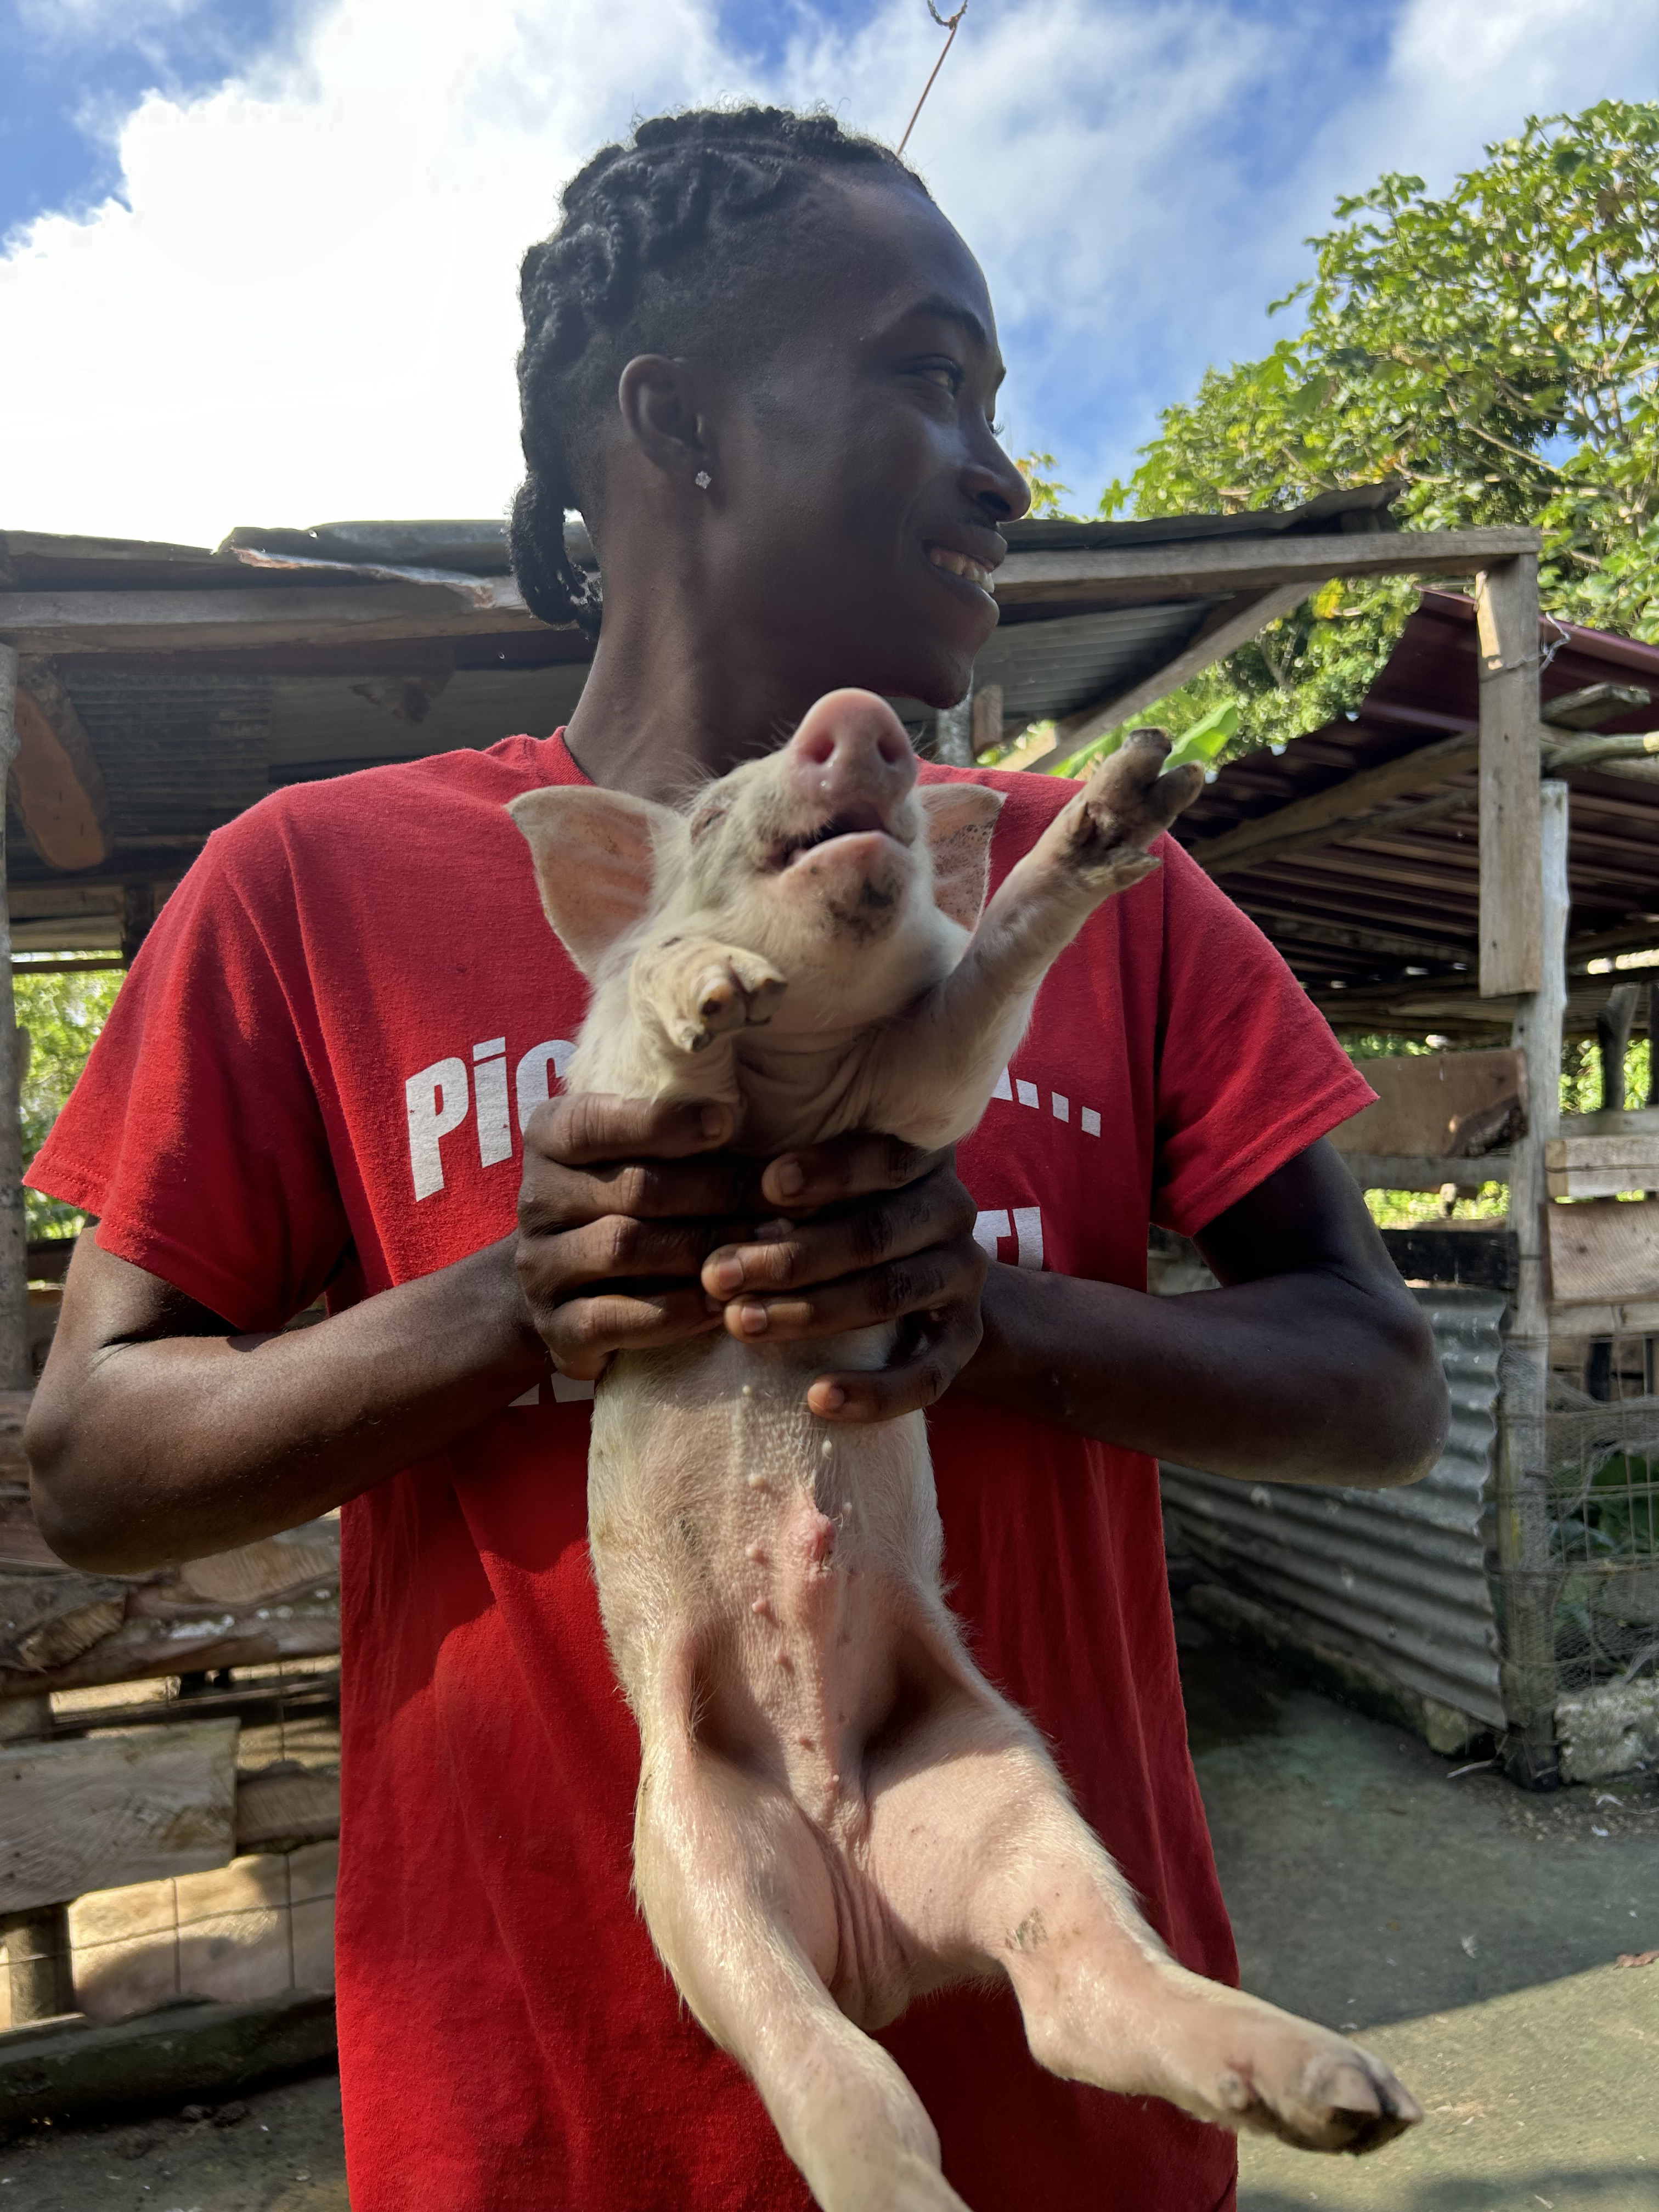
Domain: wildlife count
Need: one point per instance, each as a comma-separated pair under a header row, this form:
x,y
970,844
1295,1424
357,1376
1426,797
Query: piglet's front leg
x,y
936,1069
694,989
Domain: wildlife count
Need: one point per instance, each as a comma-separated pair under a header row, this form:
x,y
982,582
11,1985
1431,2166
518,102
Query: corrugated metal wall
x,y
1395,1578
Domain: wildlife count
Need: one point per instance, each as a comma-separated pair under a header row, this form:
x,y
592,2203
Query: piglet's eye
x,y
705,817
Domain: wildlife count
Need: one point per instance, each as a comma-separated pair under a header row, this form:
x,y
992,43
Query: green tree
x,y
63,1015
1497,350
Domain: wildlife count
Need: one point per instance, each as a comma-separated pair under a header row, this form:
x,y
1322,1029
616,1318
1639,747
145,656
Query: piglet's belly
x,y
763,1572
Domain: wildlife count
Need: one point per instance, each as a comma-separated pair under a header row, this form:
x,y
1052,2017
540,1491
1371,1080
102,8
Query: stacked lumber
x,y
61,1629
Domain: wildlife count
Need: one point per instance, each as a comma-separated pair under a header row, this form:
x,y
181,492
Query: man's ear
x,y
960,818
596,858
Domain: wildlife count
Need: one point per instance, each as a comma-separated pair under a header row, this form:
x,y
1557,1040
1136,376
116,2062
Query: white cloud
x,y
306,309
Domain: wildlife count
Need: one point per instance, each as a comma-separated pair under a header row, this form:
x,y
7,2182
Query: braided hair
x,y
678,242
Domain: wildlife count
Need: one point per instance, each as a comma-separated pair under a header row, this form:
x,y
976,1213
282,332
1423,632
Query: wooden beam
x,y
1511,745
100,1812
1382,825
1287,922
58,784
1526,1592
1601,1167
303,614
1416,1171
16,1371
1355,797
1222,632
1203,567
321,614
278,1599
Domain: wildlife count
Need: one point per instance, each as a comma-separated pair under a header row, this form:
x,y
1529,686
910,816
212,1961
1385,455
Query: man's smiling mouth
x,y
959,564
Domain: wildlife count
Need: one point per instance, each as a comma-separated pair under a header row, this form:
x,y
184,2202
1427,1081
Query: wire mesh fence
x,y
1602,1446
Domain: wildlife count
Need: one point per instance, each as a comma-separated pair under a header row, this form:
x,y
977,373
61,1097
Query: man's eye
x,y
944,373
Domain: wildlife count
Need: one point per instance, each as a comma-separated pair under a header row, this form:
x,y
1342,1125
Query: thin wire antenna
x,y
945,23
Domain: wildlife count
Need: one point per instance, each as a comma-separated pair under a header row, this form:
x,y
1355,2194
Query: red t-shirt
x,y
316,1075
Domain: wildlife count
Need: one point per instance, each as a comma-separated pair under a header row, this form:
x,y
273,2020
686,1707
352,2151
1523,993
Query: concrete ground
x,y
1468,1933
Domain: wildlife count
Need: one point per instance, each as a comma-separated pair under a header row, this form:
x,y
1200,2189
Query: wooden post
x,y
1511,743
953,733
1526,1576
15,1371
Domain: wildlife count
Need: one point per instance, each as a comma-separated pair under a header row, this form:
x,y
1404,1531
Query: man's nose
x,y
851,744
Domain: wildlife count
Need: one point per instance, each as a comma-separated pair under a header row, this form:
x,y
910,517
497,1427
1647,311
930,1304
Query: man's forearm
x,y
1304,1377
166,1447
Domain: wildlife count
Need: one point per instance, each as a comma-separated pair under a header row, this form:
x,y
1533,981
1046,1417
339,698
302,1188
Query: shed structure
x,y
1528,1605
149,693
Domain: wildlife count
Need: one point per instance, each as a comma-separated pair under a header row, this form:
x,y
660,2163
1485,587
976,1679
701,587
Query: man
x,y
765,367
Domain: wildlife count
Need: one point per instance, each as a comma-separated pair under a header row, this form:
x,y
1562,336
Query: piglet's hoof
x,y
1131,799
735,990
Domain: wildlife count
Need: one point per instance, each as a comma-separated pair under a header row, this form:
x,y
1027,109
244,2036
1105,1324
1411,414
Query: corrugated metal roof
x,y
1053,667
1394,1577
1420,884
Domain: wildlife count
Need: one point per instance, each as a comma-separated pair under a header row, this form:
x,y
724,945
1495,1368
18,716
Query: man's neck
x,y
658,716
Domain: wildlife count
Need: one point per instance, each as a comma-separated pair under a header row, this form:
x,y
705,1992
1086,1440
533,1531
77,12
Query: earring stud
x,y
703,480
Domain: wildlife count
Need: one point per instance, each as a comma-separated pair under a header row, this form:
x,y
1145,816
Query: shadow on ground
x,y
1368,1882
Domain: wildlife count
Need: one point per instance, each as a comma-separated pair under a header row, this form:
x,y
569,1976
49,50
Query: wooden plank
x,y
1605,1249
1440,1106
285,1806
1378,829
1601,1167
1196,569
1289,924
1477,1258
1632,1149
106,1810
279,1599
308,614
1511,744
1406,1171
1357,795
16,1368
55,779
1221,632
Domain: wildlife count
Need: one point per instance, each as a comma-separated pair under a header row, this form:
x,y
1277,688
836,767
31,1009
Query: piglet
x,y
837,1812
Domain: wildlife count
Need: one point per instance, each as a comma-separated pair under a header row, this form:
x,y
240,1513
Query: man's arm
x,y
158,1433
1312,1364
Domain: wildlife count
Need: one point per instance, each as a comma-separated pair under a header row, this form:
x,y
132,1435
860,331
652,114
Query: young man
x,y
764,365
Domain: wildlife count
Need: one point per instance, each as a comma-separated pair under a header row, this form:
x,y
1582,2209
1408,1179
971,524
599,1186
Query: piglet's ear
x,y
596,858
960,818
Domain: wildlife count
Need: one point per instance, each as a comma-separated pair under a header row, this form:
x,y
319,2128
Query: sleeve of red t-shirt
x,y
195,1134
1248,1071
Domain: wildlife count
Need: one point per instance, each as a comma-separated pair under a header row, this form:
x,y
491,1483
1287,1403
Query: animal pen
x,y
169,1798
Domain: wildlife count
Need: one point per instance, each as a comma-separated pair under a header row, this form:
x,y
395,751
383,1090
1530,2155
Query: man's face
x,y
859,473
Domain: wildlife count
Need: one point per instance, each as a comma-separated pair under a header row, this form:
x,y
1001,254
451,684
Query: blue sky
x,y
259,254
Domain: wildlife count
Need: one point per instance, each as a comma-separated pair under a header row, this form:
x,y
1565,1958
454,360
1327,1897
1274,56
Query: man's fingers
x,y
941,1275
947,1341
595,1126
583,1334
617,1245
935,1211
849,1167
554,1197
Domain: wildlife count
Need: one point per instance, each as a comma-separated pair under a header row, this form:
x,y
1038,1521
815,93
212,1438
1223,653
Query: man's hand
x,y
636,1229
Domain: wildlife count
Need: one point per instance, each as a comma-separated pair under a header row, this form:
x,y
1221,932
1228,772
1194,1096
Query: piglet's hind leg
x,y
735,1892
978,1849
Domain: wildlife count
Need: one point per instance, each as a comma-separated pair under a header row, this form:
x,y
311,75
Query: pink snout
x,y
851,752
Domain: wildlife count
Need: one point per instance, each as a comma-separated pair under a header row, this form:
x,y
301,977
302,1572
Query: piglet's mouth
x,y
861,819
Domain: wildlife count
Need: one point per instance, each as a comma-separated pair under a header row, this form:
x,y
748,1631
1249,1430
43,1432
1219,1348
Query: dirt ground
x,y
1466,1931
